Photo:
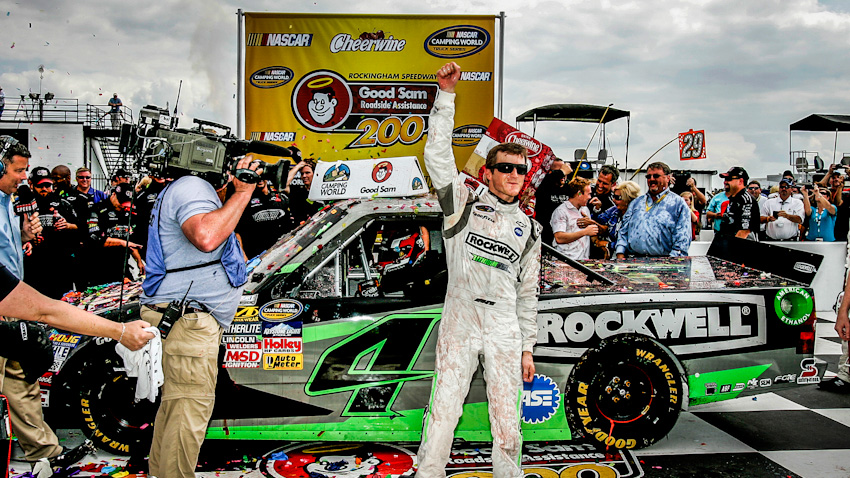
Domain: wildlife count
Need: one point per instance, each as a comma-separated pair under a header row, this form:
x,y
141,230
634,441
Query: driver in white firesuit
x,y
493,253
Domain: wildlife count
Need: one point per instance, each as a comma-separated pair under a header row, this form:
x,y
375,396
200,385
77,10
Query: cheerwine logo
x,y
378,42
532,145
701,324
492,246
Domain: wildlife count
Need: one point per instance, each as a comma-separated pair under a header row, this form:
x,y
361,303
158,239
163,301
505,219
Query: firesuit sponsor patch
x,y
490,262
492,246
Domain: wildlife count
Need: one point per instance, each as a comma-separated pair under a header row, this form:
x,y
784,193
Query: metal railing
x,y
63,110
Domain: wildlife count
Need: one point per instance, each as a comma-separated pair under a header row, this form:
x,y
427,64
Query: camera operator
x,y
193,262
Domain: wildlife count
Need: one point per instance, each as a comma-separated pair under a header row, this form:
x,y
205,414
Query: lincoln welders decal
x,y
688,323
540,399
281,310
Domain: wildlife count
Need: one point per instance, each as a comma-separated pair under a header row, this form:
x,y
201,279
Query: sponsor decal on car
x,y
283,361
247,314
283,329
810,372
737,320
382,171
283,345
281,310
337,172
338,460
457,41
247,328
239,339
540,399
793,305
65,340
242,358
711,388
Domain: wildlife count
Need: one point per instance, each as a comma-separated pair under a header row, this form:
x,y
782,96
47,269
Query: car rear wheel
x,y
626,392
106,408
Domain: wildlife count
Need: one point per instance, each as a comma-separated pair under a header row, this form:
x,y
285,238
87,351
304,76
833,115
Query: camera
x,y
161,149
680,179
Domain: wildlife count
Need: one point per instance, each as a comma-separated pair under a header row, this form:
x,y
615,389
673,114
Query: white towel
x,y
146,365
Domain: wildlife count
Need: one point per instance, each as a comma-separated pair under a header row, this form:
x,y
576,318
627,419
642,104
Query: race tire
x,y
107,411
626,392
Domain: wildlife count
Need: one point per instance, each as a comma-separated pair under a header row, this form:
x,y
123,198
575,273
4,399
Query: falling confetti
x,y
13,44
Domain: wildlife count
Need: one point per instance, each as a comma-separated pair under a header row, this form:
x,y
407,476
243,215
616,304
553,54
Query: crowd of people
x,y
602,218
83,225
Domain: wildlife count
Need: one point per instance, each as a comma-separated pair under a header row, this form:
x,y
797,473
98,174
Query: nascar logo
x,y
287,136
280,39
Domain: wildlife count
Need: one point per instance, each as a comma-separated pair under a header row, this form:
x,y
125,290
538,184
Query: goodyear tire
x,y
626,392
108,413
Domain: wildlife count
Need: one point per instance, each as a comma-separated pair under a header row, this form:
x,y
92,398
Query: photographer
x,y
193,254
834,180
820,214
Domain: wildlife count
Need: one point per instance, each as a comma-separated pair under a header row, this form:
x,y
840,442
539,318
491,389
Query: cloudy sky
x,y
740,70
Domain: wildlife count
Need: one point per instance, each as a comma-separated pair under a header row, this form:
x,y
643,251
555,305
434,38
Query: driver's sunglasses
x,y
506,168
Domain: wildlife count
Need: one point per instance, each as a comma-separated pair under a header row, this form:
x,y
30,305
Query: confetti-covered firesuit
x,y
493,254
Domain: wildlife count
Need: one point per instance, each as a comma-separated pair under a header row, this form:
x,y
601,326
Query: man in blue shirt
x,y
657,223
84,186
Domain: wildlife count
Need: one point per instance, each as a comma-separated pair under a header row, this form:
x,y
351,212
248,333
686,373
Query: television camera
x,y
161,149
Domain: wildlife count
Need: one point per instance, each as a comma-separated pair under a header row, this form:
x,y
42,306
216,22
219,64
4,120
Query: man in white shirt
x,y
571,223
782,214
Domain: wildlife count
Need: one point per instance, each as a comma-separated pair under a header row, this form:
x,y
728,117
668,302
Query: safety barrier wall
x,y
829,280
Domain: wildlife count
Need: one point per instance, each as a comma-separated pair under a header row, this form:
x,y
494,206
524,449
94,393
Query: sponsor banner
x,y
65,340
280,310
389,177
283,361
688,323
539,158
362,86
282,345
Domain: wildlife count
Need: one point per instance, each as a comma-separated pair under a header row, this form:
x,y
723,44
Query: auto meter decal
x,y
338,460
793,305
271,77
540,399
281,310
457,41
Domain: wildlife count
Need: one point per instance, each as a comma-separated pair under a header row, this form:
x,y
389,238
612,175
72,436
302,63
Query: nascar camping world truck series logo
x,y
457,41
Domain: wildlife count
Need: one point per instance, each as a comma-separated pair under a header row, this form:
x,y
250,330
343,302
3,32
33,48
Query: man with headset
x,y
194,260
40,444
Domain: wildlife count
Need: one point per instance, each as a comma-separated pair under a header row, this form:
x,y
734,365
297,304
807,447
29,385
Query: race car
x,y
328,344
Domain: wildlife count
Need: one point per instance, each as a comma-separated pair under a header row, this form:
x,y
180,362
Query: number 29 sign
x,y
692,145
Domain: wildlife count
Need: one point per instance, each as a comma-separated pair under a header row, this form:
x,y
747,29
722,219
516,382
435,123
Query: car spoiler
x,y
799,266
591,274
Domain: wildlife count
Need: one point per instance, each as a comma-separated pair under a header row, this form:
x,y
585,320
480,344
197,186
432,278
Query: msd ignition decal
x,y
378,360
271,77
380,113
468,135
281,310
532,145
688,323
457,41
338,460
810,372
793,305
236,358
540,399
